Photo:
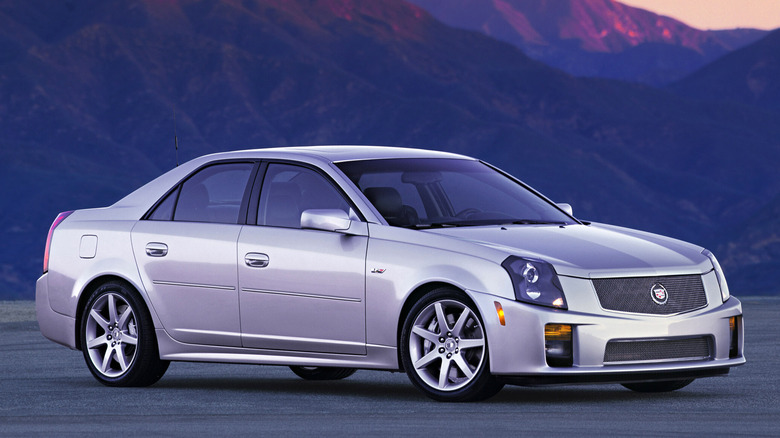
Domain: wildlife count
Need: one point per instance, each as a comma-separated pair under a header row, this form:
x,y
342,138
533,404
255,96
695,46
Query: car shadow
x,y
404,391
585,394
294,386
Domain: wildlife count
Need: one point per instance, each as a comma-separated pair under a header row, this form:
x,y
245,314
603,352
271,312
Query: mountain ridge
x,y
89,109
752,75
601,38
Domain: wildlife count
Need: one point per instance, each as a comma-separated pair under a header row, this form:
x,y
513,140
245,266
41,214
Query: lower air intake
x,y
657,350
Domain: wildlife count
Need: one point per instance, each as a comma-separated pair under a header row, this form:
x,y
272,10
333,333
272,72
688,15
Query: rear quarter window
x,y
213,194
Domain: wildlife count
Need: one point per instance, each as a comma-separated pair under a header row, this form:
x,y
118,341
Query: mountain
x,y
597,38
750,76
751,251
89,90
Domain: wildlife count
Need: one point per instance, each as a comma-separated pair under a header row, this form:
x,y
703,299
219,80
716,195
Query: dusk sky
x,y
716,14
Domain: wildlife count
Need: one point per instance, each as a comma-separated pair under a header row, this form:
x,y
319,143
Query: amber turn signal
x,y
557,332
734,323
500,312
558,345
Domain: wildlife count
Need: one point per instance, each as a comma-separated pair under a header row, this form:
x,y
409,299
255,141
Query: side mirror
x,y
326,220
565,207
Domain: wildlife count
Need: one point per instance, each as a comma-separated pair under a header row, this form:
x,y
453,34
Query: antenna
x,y
175,138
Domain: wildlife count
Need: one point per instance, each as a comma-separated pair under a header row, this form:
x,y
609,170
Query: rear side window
x,y
213,194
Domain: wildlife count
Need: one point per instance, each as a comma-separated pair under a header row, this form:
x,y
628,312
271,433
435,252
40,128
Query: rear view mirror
x,y
565,207
326,220
416,177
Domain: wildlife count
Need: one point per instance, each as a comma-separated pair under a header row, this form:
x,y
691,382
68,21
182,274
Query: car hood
x,y
590,251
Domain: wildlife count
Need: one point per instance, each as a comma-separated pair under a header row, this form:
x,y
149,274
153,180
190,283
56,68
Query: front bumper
x,y
618,377
517,349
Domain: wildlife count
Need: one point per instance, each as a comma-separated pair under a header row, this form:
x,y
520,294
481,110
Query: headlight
x,y
724,287
535,282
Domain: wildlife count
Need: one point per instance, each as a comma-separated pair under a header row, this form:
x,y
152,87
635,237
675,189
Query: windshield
x,y
441,192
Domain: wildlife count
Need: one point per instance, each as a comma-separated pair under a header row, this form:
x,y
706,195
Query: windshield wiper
x,y
441,225
537,222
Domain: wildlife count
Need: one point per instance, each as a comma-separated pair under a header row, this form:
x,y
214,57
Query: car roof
x,y
137,202
334,153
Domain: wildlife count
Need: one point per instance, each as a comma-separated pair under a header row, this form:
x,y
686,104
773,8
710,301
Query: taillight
x,y
60,217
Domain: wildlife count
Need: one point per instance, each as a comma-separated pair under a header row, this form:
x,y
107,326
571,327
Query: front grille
x,y
634,295
657,350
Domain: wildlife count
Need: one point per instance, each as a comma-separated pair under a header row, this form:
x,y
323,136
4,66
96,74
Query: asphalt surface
x,y
46,389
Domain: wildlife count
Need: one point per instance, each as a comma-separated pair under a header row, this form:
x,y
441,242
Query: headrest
x,y
386,199
287,190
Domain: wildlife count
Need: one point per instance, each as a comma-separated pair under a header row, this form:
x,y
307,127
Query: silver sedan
x,y
335,258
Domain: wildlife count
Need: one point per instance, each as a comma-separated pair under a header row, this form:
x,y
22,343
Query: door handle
x,y
256,260
156,249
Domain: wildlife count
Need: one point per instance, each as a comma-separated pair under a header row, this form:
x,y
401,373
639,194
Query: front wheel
x,y
118,340
666,386
444,349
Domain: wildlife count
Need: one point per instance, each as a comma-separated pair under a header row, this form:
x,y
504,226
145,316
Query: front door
x,y
300,290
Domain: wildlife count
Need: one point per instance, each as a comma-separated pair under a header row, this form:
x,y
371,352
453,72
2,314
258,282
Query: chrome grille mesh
x,y
685,293
657,350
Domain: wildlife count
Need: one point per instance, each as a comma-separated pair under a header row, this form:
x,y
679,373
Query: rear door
x,y
186,254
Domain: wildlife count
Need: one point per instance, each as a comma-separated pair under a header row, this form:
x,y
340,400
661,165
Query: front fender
x,y
395,270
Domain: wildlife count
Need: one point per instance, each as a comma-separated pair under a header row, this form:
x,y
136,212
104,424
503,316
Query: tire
x,y
322,373
449,363
666,386
117,338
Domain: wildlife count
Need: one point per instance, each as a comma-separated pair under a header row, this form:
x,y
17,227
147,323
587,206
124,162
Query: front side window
x,y
289,190
213,194
432,192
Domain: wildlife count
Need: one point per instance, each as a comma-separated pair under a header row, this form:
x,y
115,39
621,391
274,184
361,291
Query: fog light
x,y
558,345
734,323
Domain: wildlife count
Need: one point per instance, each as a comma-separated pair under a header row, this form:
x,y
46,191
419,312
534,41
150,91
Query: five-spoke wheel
x,y
117,338
444,348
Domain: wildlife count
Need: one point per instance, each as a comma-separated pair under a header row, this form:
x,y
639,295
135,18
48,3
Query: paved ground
x,y
46,389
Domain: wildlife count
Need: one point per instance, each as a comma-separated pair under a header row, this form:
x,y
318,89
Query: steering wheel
x,y
464,214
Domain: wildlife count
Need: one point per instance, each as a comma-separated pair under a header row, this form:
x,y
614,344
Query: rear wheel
x,y
666,386
322,373
444,349
118,340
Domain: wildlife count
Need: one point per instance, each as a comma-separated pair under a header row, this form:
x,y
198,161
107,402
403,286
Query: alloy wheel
x,y
111,335
447,345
